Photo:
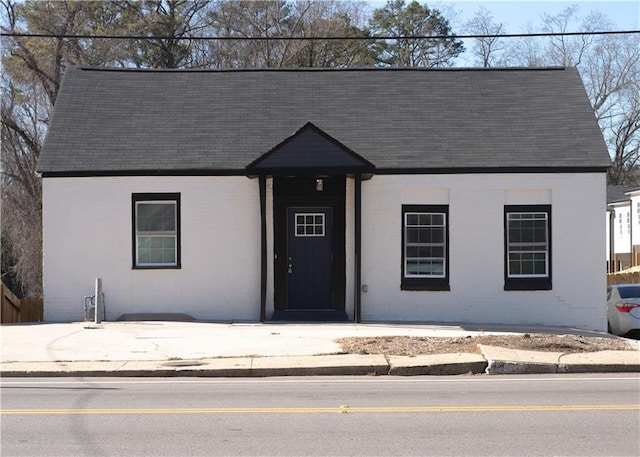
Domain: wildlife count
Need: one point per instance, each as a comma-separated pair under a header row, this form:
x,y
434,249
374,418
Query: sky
x,y
516,13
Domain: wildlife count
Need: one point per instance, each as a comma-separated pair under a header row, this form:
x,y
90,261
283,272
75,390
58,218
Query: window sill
x,y
435,285
156,267
527,284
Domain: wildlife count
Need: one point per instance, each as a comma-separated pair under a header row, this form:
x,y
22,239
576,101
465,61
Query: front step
x,y
175,317
310,315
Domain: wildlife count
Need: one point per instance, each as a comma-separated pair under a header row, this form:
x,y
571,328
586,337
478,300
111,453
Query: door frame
x,y
301,192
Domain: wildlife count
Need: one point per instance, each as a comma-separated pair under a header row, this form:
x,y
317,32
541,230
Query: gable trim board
x,y
238,234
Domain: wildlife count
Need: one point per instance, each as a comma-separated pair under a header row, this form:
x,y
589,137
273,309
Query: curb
x,y
602,368
383,370
321,365
513,361
452,369
437,365
509,367
440,370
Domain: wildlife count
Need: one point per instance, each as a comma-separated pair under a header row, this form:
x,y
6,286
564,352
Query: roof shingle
x,y
123,120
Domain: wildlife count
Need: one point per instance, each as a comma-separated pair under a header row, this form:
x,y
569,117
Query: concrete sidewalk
x,y
223,350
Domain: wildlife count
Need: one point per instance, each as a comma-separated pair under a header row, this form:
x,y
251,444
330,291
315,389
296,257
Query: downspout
x,y
632,260
357,248
262,184
612,241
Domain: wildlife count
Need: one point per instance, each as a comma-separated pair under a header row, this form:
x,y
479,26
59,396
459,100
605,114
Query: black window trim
x,y
427,284
534,283
166,196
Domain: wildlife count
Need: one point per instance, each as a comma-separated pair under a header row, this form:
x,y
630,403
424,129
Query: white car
x,y
623,309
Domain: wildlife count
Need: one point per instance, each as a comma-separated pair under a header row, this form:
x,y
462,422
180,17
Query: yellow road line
x,y
341,409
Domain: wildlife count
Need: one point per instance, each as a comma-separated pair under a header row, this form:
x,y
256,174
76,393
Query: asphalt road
x,y
580,415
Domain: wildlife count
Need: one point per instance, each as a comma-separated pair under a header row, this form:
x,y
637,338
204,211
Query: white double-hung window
x,y
425,251
528,247
156,230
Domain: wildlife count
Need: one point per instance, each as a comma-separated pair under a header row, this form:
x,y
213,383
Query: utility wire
x,y
307,38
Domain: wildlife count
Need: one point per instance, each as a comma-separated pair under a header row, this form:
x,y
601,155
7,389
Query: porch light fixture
x,y
319,185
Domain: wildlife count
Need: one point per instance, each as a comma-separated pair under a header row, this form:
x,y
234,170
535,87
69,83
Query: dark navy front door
x,y
309,258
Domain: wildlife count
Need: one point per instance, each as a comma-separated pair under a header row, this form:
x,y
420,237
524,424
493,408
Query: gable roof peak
x,y
310,151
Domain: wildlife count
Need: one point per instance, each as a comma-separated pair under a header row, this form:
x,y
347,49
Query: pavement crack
x,y
389,365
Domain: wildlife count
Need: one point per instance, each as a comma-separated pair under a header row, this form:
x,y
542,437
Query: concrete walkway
x,y
223,350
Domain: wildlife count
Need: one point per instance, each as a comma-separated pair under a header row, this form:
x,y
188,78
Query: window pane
x,y
436,235
156,250
425,251
425,267
540,234
526,266
425,235
539,267
527,263
309,224
424,219
514,233
156,217
413,235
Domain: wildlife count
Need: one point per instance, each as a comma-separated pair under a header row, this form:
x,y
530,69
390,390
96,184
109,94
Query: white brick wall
x,y
87,234
476,206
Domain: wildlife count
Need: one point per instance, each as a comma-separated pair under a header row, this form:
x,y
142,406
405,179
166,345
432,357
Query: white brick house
x,y
362,195
623,227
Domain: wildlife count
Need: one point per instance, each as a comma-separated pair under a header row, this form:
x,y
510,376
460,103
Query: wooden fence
x,y
16,310
632,277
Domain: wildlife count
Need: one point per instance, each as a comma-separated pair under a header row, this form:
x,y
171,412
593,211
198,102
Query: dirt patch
x,y
412,345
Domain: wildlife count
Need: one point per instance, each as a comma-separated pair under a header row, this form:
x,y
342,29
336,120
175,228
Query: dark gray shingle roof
x,y
617,192
119,120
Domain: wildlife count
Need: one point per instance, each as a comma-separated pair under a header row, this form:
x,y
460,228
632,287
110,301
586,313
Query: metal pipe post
x,y
98,300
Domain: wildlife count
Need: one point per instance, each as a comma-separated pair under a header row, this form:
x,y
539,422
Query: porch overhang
x,y
310,152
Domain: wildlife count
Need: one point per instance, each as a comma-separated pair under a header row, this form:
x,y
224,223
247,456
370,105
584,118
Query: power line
x,y
307,38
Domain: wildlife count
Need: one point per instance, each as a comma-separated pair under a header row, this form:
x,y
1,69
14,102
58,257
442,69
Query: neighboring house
x,y
634,225
458,195
623,227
